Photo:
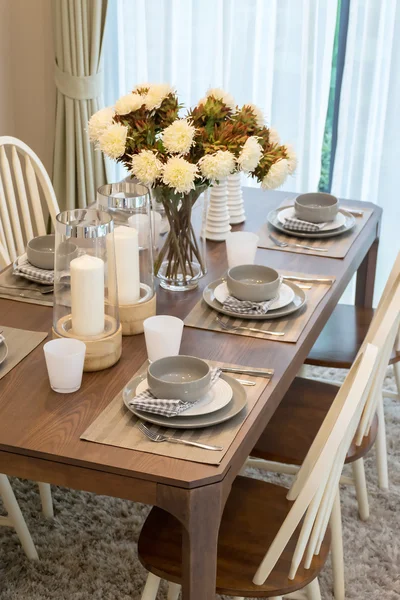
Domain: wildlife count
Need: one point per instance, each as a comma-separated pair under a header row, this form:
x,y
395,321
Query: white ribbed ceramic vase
x,y
217,225
235,199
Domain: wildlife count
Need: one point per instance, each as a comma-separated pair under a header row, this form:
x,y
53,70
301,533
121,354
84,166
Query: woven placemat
x,y
117,426
204,317
337,247
13,287
20,343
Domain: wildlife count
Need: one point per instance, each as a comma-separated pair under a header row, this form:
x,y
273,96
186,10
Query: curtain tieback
x,y
78,88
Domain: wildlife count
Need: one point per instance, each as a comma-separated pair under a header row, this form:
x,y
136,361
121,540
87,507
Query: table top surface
x,y
37,422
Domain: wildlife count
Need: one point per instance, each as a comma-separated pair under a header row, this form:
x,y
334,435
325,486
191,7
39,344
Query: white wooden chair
x,y
25,191
318,358
311,505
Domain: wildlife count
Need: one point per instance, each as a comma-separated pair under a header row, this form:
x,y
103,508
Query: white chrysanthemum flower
x,y
99,122
202,101
156,94
226,98
141,86
291,157
146,167
128,104
258,113
274,137
276,176
250,155
217,166
113,140
178,137
180,174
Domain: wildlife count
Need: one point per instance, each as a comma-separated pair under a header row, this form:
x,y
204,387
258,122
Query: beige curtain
x,y
78,169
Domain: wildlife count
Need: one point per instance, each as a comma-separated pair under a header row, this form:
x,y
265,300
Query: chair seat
x,y
294,425
341,338
254,512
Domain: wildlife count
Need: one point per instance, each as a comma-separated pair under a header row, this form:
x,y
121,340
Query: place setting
x,y
257,300
180,406
315,223
30,278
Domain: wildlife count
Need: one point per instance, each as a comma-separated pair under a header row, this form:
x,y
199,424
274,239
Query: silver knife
x,y
244,371
309,279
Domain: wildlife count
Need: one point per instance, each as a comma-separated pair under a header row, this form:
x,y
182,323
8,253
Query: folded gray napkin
x,y
299,225
168,408
246,307
24,268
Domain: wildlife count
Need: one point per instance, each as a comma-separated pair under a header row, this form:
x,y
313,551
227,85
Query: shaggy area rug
x,y
89,550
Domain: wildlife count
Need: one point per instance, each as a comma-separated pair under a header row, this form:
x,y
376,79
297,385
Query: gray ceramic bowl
x,y
253,282
179,377
40,251
316,207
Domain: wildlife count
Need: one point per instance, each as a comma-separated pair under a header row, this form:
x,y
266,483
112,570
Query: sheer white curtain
x,y
274,53
368,150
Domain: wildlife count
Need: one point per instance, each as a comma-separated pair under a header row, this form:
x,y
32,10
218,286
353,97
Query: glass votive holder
x,y
241,248
85,285
65,358
129,205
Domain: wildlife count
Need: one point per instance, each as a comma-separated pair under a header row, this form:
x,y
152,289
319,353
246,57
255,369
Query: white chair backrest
x,y
382,334
4,258
22,187
316,484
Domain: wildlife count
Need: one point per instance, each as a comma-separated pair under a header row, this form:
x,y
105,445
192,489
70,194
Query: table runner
x,y
17,288
337,246
203,317
117,426
20,343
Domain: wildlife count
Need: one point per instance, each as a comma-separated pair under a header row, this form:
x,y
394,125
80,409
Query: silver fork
x,y
286,245
230,327
157,437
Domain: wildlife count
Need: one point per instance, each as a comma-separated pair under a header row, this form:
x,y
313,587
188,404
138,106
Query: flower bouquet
x,y
178,158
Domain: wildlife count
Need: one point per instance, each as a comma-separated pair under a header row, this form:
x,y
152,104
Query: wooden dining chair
x,y
290,433
4,258
25,192
273,541
339,343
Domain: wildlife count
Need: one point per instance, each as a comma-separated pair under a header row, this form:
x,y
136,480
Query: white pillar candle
x,y
87,295
140,221
126,244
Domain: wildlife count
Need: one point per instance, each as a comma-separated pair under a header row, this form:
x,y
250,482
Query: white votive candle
x,y
87,295
140,221
126,244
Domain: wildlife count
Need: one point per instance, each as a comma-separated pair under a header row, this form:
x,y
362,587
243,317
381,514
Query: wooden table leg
x,y
366,277
199,510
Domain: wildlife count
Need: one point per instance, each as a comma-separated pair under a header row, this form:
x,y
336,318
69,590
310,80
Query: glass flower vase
x,y
181,260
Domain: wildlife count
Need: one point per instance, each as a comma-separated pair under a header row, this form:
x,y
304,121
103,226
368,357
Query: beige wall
x,y
27,90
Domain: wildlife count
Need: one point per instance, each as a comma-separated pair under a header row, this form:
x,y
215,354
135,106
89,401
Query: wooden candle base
x,y
102,352
132,316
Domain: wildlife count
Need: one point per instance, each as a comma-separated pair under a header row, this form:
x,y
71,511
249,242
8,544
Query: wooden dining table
x,y
40,430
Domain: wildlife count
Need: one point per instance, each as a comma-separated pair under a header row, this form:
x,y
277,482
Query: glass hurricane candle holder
x,y
129,205
85,286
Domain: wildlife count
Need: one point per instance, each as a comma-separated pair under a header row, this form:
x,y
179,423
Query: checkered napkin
x,y
299,225
24,268
245,307
168,408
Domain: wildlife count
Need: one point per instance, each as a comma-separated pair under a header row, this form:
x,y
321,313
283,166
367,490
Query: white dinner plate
x,y
286,295
289,213
233,408
3,351
216,398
